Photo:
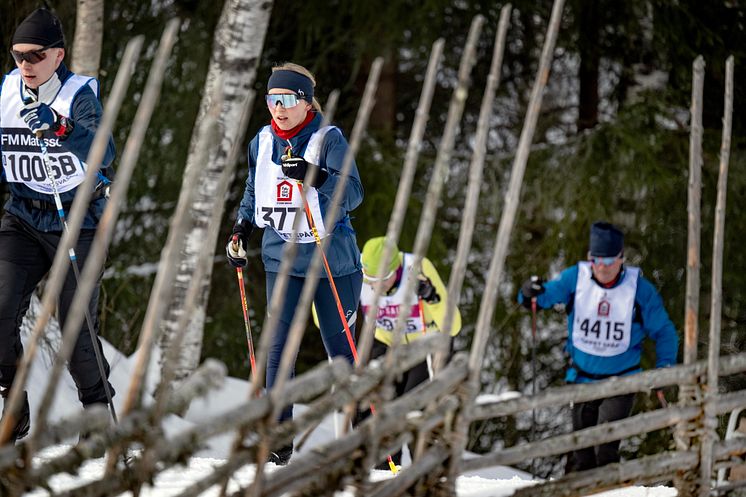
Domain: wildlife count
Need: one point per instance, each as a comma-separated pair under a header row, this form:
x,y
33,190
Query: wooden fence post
x,y
690,394
711,392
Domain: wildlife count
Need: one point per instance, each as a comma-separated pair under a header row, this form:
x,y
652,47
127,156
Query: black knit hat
x,y
41,27
606,240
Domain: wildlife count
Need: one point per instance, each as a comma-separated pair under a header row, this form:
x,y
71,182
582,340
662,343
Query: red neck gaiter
x,y
288,134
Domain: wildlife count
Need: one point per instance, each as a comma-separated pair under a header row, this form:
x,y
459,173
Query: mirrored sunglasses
x,y
287,100
32,56
606,261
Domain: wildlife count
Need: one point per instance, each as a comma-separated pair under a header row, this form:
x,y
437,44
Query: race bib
x,y
388,315
23,162
278,198
602,325
390,306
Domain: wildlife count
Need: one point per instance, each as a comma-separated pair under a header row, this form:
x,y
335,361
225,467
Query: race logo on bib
x,y
284,191
604,308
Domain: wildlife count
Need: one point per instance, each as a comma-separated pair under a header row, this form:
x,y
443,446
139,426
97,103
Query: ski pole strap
x,y
592,376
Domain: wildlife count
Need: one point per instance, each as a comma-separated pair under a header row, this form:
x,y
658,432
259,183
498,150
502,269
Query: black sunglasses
x,y
32,56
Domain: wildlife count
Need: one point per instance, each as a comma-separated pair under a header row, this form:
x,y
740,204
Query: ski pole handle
x,y
234,242
662,398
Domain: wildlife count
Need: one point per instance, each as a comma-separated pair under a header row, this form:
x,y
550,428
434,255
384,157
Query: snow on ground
x,y
174,480
494,482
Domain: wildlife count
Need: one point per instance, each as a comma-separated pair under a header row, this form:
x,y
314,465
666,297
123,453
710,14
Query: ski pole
x,y
245,307
533,369
421,306
76,272
338,301
661,398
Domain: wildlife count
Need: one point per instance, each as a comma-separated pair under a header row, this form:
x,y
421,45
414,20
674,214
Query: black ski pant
x,y
332,330
407,381
26,255
596,412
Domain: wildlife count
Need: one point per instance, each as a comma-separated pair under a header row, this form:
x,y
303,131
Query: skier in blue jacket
x,y
611,308
279,156
42,96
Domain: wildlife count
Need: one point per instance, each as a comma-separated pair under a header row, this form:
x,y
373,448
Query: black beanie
x,y
41,27
606,240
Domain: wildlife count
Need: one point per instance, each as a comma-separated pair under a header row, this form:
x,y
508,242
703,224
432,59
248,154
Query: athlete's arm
x,y
335,148
86,117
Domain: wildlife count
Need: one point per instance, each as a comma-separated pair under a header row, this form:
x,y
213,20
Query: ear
x,y
60,56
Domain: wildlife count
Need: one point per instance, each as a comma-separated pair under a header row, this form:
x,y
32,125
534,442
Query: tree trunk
x,y
383,117
590,56
239,38
89,32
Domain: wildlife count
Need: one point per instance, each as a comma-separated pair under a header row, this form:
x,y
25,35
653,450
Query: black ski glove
x,y
532,287
235,249
296,168
426,291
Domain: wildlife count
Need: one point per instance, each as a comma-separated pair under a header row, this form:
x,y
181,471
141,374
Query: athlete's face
x,y
386,283
287,117
35,75
605,269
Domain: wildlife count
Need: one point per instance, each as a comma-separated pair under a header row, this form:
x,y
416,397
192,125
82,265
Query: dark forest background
x,y
612,143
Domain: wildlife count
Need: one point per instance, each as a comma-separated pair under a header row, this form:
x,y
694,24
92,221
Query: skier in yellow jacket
x,y
430,298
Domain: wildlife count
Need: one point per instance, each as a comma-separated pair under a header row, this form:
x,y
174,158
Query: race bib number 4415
x,y
601,337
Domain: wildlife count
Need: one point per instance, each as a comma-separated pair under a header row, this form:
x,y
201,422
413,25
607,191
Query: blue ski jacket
x,y
85,113
342,250
650,319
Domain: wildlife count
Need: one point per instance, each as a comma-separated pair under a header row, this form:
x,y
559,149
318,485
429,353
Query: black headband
x,y
291,80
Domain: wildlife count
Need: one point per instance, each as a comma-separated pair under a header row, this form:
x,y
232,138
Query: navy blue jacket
x,y
650,319
86,116
342,251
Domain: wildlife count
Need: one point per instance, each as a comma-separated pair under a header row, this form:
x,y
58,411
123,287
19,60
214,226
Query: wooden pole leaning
x,y
472,196
711,392
134,142
70,236
476,169
165,388
209,376
404,189
512,199
303,389
440,172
